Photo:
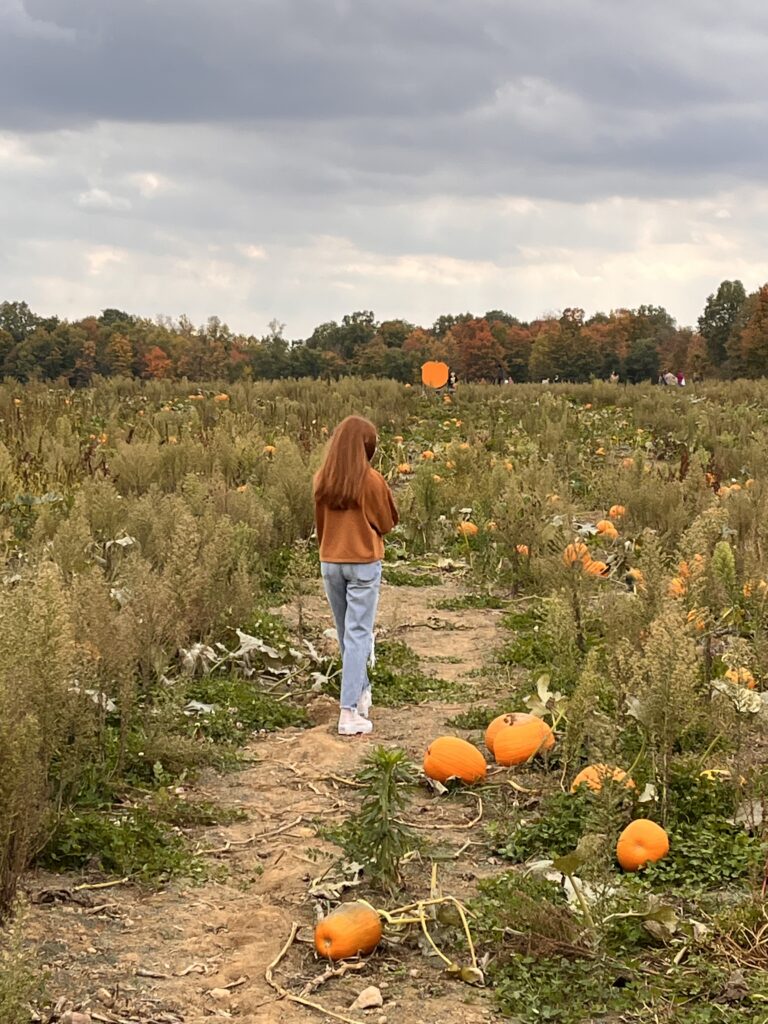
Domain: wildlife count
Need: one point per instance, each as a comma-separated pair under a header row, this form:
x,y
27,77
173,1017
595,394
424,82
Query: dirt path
x,y
168,957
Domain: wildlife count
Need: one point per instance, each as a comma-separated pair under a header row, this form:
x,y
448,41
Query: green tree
x,y
642,361
720,317
18,320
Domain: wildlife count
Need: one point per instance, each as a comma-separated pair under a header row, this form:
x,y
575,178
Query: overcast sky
x,y
301,159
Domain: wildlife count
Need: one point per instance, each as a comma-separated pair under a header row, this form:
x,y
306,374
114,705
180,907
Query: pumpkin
x,y
269,449
437,478
435,374
467,529
576,552
398,439
404,469
595,775
427,456
450,757
741,677
464,446
596,568
515,744
350,929
502,721
677,587
616,511
606,529
642,842
627,463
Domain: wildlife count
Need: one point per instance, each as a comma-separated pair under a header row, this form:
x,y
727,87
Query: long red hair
x,y
340,481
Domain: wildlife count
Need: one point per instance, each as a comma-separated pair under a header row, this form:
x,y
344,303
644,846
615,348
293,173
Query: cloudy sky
x,y
301,159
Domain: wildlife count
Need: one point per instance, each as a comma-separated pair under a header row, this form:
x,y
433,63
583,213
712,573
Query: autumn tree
x,y
753,338
157,364
479,355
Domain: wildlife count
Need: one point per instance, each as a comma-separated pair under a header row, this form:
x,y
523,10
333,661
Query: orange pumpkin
x,y
522,549
642,842
576,552
514,718
677,587
616,511
606,529
434,374
350,929
404,469
515,744
450,757
595,775
741,677
597,568
467,529
428,455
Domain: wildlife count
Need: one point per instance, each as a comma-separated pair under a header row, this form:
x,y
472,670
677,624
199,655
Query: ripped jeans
x,y
353,593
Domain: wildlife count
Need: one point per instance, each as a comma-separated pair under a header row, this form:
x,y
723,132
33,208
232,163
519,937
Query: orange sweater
x,y
356,534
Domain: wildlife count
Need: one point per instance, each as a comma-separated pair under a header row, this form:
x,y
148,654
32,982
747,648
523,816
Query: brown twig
x,y
331,972
241,843
285,994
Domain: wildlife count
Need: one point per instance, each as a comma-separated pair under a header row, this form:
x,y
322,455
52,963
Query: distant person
x,y
614,378
452,381
670,379
681,380
354,510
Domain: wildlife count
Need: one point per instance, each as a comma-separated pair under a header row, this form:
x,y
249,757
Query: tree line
x,y
731,340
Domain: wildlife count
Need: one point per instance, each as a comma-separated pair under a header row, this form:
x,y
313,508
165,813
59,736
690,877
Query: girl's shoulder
x,y
375,480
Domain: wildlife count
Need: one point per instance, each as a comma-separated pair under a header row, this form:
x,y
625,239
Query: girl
x,y
354,509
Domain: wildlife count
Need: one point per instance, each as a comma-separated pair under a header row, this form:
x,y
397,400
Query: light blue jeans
x,y
353,594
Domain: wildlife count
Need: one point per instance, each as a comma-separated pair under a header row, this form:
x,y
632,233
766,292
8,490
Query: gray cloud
x,y
441,152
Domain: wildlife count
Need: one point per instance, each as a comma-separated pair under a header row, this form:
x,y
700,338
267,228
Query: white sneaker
x,y
351,723
365,702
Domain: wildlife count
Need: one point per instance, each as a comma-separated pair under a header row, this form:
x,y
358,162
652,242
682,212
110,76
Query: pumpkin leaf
x,y
649,794
661,922
469,975
745,701
568,864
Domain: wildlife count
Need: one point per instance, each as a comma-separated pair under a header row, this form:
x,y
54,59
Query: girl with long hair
x,y
354,510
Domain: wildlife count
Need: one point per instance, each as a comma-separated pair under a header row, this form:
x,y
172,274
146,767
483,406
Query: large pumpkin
x,y
450,757
514,744
595,775
641,843
351,929
514,718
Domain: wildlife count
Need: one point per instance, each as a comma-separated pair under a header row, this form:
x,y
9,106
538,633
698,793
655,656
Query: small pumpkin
x,y
428,455
450,757
502,721
596,568
349,930
467,529
269,449
741,677
606,529
404,468
642,842
616,511
594,775
515,744
522,549
677,587
576,552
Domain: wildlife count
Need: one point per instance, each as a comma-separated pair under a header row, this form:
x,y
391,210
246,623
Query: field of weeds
x,y
175,804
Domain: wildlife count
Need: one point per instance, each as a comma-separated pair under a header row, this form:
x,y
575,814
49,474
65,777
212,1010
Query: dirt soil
x,y
199,953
